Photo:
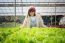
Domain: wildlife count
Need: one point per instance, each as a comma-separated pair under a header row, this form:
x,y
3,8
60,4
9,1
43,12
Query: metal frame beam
x,y
37,5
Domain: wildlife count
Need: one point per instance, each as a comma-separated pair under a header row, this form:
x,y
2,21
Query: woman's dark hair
x,y
31,10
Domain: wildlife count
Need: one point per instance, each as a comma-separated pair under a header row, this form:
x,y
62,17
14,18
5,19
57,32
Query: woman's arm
x,y
41,23
24,23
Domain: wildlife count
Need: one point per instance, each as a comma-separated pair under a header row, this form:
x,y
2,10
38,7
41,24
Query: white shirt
x,y
33,21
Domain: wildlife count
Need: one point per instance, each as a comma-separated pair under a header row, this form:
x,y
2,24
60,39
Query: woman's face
x,y
32,13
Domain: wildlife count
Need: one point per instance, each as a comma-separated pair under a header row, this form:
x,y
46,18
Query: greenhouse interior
x,y
49,16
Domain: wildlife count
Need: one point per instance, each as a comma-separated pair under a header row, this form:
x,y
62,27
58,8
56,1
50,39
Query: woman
x,y
33,19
